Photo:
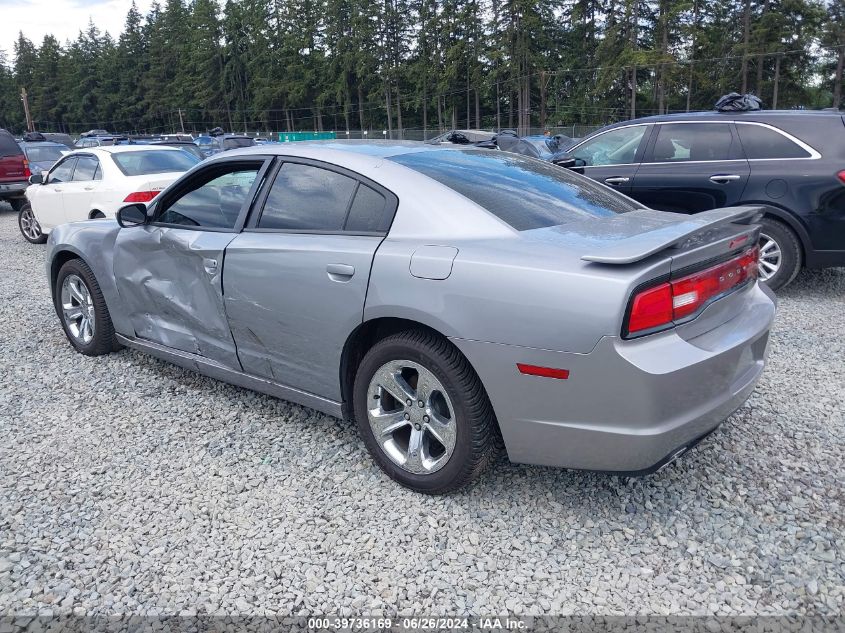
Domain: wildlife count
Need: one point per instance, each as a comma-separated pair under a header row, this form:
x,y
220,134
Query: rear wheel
x,y
82,309
780,254
28,224
423,412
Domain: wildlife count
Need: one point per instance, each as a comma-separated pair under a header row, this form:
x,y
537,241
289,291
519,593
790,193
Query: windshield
x,y
44,154
154,161
524,192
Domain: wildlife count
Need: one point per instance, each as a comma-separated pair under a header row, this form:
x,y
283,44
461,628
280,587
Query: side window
x,y
762,142
681,142
215,201
307,198
369,212
86,168
617,147
63,172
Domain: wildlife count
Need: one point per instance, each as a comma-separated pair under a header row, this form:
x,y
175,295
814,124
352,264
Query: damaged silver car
x,y
440,297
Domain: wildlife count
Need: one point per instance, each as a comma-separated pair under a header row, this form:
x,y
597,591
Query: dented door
x,y
170,280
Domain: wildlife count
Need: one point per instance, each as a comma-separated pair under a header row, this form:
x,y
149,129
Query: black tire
x,y
103,340
28,230
476,428
790,249
17,203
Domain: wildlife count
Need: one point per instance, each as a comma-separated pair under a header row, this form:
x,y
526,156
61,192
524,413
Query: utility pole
x,y
181,122
29,126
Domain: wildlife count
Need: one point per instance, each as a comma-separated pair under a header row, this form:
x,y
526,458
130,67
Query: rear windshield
x,y
154,161
524,192
8,146
44,154
232,143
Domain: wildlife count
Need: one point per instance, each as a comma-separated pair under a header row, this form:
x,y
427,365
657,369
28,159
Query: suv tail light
x,y
141,196
26,171
841,175
667,303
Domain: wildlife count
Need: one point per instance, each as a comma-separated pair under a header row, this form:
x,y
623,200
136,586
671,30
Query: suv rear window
x,y
764,142
524,192
154,161
8,146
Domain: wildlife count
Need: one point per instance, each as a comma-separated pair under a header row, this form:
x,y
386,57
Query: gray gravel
x,y
128,485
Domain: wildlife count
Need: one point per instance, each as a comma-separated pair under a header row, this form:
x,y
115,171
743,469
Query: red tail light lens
x,y
26,171
841,175
678,299
141,196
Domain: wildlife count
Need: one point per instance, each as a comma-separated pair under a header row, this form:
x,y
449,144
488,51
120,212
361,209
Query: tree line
x,y
293,65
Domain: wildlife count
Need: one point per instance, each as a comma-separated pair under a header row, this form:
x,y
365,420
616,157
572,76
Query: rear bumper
x,y
13,189
627,406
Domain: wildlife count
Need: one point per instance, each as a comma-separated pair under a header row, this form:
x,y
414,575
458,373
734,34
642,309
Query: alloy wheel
x,y
411,417
770,257
78,309
29,225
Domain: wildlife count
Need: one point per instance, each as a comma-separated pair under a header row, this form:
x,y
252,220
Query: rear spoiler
x,y
667,232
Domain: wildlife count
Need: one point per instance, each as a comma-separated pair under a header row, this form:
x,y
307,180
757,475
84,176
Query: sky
x,y
62,18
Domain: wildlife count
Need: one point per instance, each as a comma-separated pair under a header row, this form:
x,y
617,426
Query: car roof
x,y
376,149
119,149
713,115
41,144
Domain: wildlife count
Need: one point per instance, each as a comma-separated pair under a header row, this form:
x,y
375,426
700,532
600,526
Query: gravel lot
x,y
130,485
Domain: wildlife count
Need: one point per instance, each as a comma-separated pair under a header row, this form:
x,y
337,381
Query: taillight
x,y
841,175
141,196
26,171
671,301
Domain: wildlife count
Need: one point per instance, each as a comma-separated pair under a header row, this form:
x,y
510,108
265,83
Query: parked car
x,y
95,133
211,145
101,141
42,154
188,146
438,296
14,171
95,183
64,139
789,162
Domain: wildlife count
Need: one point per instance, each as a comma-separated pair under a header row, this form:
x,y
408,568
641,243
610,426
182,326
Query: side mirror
x,y
132,215
565,161
36,179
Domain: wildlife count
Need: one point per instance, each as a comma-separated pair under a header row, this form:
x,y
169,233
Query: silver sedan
x,y
442,298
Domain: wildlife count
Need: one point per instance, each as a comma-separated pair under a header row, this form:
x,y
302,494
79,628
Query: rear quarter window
x,y
525,193
763,142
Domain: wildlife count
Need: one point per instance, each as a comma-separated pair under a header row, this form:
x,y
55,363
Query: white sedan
x,y
95,182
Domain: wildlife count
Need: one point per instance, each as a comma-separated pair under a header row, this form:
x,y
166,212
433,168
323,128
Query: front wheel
x,y
780,254
82,309
28,224
423,412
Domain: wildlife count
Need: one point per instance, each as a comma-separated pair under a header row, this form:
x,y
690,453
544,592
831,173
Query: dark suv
x,y
790,162
14,171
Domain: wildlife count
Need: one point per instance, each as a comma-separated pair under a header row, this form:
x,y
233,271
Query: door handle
x,y
57,189
91,188
617,180
210,265
340,272
723,179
